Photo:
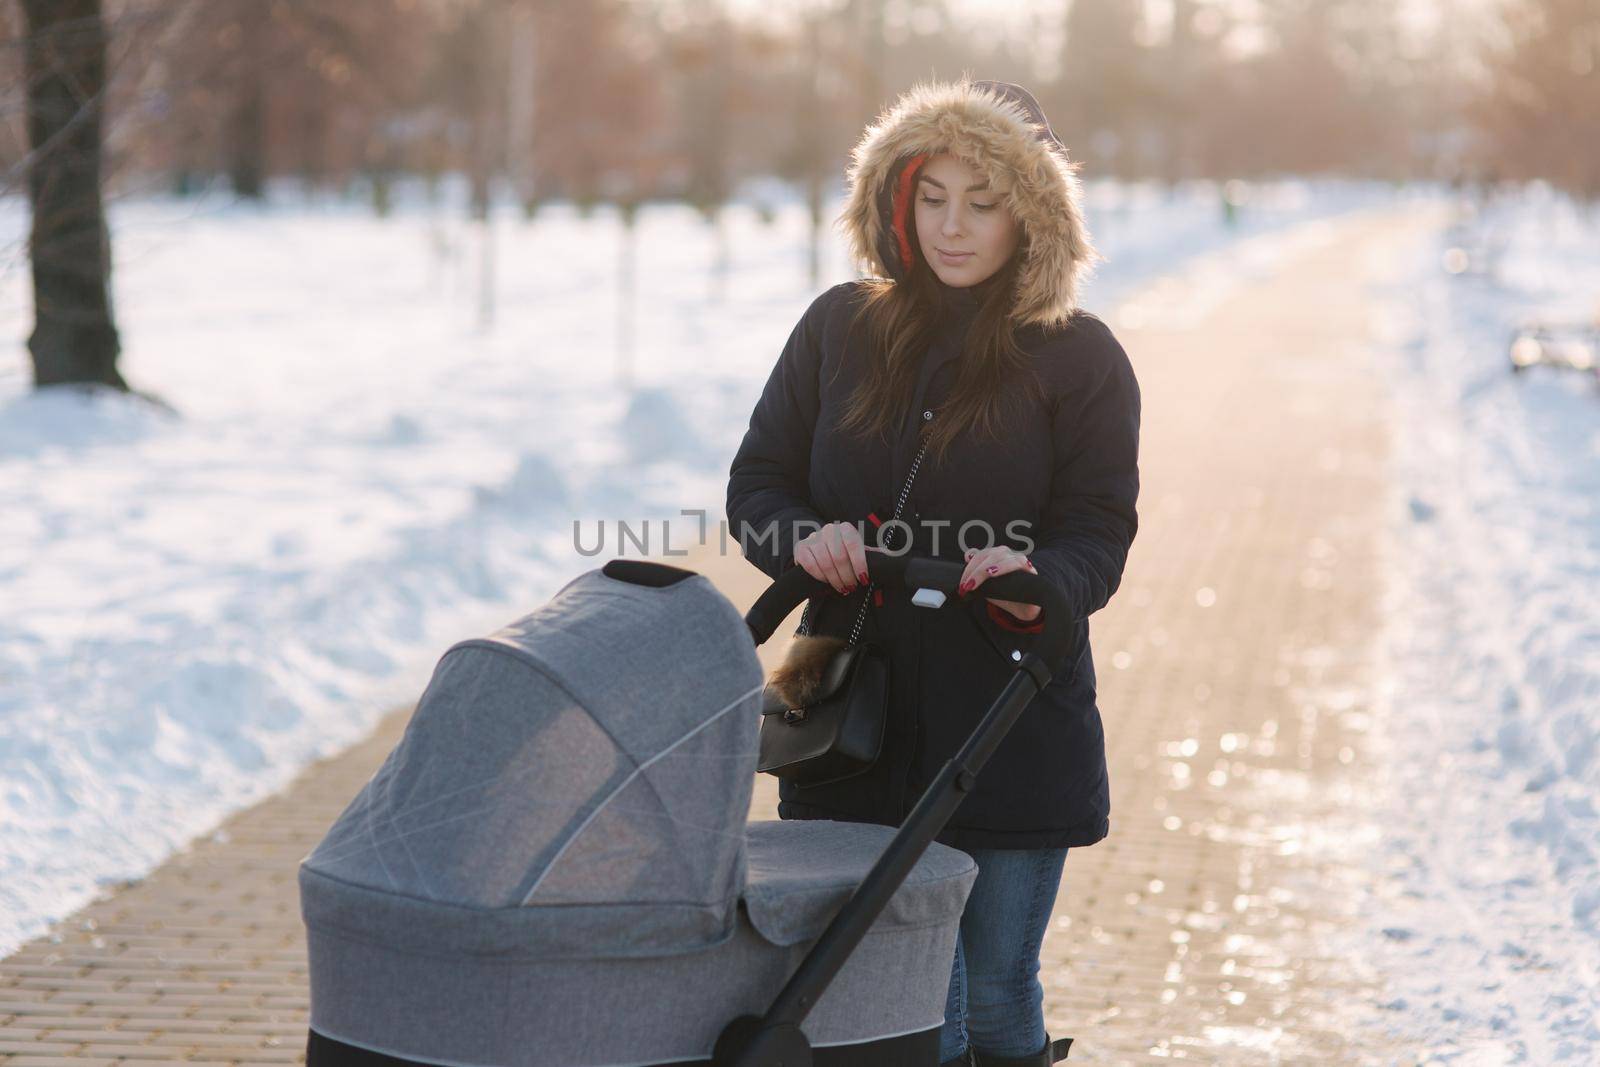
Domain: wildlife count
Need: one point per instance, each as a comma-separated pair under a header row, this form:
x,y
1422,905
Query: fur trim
x,y
997,139
799,677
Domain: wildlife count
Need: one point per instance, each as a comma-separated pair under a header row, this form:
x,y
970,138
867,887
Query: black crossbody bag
x,y
824,712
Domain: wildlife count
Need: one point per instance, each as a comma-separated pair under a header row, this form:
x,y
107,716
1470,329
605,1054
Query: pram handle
x,y
910,571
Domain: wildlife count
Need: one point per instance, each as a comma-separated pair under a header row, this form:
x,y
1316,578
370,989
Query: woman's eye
x,y
935,203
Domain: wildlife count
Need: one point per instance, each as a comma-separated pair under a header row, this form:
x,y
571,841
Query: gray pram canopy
x,y
554,866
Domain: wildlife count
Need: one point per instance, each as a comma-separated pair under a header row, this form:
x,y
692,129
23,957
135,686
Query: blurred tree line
x,y
615,99
623,101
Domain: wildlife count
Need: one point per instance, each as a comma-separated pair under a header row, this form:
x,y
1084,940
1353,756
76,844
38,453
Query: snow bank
x,y
1489,915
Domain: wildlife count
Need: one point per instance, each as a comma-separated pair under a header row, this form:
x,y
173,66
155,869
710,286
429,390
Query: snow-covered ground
x,y
1487,908
197,604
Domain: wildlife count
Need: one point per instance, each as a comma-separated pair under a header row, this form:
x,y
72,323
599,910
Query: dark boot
x,y
1051,1053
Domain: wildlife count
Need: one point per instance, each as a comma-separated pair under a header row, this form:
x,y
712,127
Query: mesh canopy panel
x,y
597,752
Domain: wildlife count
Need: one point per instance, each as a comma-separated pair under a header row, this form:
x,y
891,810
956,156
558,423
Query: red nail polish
x,y
863,577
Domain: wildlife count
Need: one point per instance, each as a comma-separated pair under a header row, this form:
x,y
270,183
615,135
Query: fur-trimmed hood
x,y
1001,131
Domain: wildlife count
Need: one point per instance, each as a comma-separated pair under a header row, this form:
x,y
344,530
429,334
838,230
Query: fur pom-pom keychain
x,y
798,679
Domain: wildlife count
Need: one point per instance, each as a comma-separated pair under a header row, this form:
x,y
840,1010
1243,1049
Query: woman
x,y
963,206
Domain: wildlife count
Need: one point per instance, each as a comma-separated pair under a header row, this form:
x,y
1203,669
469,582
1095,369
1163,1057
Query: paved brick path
x,y
1235,672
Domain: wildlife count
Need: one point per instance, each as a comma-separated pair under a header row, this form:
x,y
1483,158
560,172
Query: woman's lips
x,y
954,258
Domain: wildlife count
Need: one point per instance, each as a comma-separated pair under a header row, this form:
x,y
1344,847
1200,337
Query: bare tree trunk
x,y
488,146
521,84
809,126
1179,115
247,121
74,338
489,92
874,54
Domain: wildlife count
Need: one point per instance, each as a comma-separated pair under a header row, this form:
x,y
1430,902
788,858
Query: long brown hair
x,y
901,319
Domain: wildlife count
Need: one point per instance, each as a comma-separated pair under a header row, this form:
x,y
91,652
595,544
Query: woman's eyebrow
x,y
970,188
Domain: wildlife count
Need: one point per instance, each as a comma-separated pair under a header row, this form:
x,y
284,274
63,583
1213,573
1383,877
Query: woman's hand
x,y
995,560
835,554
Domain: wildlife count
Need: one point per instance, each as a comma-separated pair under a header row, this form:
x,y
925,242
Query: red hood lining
x,y
902,203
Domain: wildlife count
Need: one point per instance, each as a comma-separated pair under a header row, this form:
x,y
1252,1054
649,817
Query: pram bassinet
x,y
553,867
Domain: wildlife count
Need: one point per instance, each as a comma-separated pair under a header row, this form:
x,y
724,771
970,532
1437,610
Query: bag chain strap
x,y
861,615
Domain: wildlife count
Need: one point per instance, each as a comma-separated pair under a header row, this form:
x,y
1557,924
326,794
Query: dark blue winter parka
x,y
1063,475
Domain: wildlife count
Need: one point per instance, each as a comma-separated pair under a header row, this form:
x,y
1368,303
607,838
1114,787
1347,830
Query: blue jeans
x,y
995,999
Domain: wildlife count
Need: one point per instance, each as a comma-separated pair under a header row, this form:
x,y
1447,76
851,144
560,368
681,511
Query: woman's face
x,y
958,213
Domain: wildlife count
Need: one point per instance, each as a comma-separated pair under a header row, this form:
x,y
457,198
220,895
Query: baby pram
x,y
553,866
